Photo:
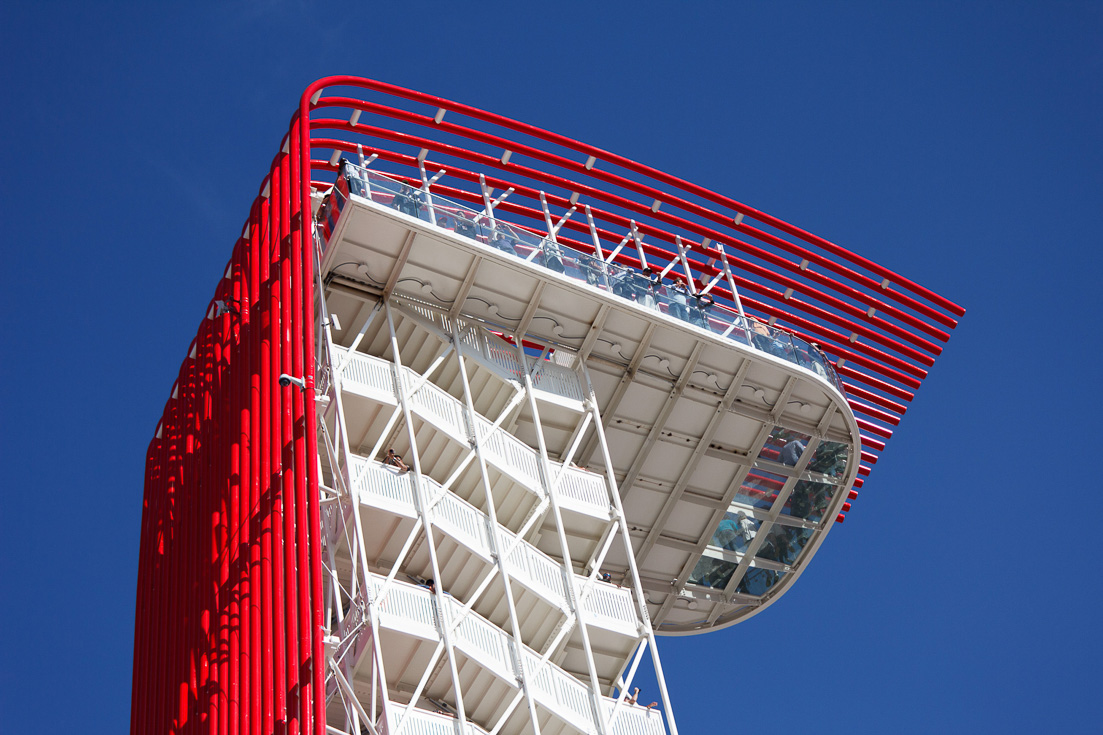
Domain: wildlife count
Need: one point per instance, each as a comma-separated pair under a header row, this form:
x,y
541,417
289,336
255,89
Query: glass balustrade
x,y
784,446
626,283
784,544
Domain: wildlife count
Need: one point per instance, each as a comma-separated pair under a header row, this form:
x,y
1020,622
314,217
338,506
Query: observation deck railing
x,y
623,282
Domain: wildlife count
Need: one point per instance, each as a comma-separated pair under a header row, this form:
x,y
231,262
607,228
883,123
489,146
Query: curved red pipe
x,y
630,165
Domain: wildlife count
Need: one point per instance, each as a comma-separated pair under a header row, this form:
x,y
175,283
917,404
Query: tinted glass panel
x,y
784,446
784,544
829,458
735,532
760,488
758,581
809,500
711,572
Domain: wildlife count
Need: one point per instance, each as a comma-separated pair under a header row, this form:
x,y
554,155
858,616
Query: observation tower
x,y
620,406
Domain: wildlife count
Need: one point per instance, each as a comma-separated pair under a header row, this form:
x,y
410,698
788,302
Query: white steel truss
x,y
472,590
389,623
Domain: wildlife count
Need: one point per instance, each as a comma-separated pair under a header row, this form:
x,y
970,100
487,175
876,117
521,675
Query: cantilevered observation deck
x,y
697,406
629,406
558,405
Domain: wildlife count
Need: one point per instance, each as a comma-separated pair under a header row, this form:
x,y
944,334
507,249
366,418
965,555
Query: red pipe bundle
x,y
228,633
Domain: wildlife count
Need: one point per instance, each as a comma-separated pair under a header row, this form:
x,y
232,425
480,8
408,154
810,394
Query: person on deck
x,y
679,300
791,452
704,304
395,460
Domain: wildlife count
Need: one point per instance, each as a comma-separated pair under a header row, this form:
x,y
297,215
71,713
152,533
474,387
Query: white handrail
x,y
581,490
411,609
495,353
422,722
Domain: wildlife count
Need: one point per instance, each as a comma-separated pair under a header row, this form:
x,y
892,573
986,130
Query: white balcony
x,y
373,378
603,605
423,722
684,403
631,720
412,611
551,381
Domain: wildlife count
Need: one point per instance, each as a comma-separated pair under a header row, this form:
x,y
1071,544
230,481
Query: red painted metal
x,y
287,490
640,169
302,456
654,232
277,339
255,583
228,631
598,193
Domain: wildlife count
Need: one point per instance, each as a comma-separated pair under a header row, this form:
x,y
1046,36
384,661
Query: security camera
x,y
286,380
221,308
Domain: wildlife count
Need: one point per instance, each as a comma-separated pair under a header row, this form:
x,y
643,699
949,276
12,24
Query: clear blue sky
x,y
960,144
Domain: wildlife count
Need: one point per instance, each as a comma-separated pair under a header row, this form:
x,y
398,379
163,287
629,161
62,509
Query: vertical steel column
x,y
233,552
220,551
359,554
296,462
301,246
207,677
264,488
189,514
280,396
423,512
472,417
637,588
244,384
317,687
256,682
568,565
289,630
169,535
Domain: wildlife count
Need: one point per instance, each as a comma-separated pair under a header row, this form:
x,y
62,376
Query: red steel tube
x,y
233,424
245,482
300,231
207,667
264,509
642,189
316,691
275,430
186,668
256,684
290,601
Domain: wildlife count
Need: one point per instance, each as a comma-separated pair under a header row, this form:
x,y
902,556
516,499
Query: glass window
x,y
829,458
735,532
809,500
784,544
758,581
760,488
784,446
715,573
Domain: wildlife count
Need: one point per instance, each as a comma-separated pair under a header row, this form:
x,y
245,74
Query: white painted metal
x,y
494,508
